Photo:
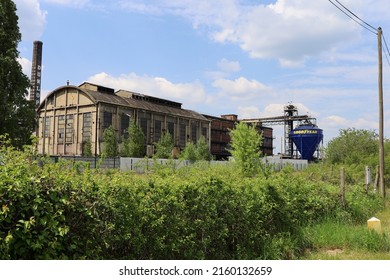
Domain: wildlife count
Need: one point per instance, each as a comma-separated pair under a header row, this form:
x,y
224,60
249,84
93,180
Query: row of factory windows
x,y
65,129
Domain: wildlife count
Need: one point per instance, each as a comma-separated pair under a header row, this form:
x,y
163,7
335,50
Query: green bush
x,y
65,211
110,142
189,152
134,145
164,146
203,149
49,212
87,148
245,148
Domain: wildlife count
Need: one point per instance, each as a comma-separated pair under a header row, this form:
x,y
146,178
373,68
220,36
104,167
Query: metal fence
x,y
142,165
94,162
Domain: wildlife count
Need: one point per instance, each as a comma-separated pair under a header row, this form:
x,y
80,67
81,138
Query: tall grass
x,y
352,241
331,234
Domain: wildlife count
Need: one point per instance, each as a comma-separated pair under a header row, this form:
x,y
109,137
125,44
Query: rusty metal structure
x,y
288,119
220,136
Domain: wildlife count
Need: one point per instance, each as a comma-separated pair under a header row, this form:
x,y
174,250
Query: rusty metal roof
x,y
136,103
144,105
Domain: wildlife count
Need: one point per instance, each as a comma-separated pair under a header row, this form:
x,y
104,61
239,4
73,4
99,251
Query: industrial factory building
x,y
220,136
72,115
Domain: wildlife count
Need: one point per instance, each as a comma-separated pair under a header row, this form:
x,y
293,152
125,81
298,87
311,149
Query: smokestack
x,y
36,71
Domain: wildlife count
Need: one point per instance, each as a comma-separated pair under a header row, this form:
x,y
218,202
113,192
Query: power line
x,y
387,54
369,25
361,23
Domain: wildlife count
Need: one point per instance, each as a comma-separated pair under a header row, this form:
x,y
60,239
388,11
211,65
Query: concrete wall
x,y
277,163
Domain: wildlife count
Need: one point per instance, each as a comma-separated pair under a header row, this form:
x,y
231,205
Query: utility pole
x,y
381,145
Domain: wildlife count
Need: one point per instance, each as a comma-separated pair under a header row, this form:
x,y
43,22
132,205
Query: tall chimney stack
x,y
36,71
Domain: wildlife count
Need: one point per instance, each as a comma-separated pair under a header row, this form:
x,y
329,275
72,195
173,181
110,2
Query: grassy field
x,y
332,241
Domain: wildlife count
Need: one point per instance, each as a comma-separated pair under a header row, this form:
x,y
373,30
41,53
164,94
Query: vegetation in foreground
x,y
66,211
340,240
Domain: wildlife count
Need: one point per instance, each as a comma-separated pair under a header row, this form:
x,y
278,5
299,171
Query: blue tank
x,y
306,138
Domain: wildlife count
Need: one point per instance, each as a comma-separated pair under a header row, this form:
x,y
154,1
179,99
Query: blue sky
x,y
217,57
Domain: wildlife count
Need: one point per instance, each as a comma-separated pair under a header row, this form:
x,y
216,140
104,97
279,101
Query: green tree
x,y
134,146
17,114
87,148
164,146
189,152
202,149
110,142
245,148
353,146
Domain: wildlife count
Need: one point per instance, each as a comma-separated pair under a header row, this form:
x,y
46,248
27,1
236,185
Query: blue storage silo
x,y
306,138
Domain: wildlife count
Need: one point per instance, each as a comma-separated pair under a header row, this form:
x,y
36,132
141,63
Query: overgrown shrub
x,y
87,148
110,147
245,148
134,145
164,146
202,149
49,212
66,211
189,152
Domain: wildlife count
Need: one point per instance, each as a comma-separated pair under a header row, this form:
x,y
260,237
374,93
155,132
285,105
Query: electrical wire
x,y
387,54
355,20
369,25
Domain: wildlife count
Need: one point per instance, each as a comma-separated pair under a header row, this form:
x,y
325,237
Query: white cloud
x,y
249,112
336,121
333,122
72,3
32,19
26,66
240,88
97,5
273,110
229,66
291,31
155,86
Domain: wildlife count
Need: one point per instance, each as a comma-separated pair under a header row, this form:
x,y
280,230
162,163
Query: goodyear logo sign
x,y
305,131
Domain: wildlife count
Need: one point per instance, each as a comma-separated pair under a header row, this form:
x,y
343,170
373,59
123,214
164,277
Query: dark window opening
x,y
125,123
87,126
107,120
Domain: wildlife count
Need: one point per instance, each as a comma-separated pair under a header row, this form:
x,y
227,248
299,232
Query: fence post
x,y
376,178
342,185
368,177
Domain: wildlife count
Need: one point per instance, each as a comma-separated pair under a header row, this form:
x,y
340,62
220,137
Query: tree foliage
x,y
17,114
245,148
189,152
202,149
353,146
134,146
87,148
110,142
164,146
65,211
